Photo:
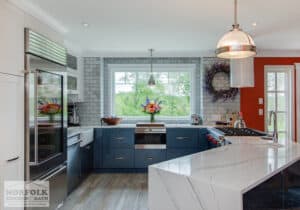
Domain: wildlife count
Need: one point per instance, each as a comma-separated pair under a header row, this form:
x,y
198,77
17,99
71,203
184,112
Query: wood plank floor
x,y
110,192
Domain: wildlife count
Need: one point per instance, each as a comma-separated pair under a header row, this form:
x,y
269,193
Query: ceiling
x,y
172,26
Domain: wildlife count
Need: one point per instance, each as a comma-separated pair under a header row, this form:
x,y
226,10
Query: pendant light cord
x,y
235,15
151,60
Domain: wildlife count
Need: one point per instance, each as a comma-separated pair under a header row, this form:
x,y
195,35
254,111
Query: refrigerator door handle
x,y
35,119
55,173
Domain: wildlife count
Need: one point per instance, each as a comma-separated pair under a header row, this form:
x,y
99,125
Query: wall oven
x,y
150,136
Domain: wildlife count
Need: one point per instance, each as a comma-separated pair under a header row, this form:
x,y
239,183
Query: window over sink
x,y
174,87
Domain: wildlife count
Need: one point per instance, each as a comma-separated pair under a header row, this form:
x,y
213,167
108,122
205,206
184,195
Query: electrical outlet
x,y
260,101
260,112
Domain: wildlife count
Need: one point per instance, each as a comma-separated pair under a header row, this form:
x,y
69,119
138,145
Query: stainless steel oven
x,y
150,136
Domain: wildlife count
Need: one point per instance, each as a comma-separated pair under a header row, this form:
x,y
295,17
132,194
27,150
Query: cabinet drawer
x,y
182,138
118,158
175,153
118,137
145,157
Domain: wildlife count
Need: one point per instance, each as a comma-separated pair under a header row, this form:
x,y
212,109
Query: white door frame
x,y
297,65
291,110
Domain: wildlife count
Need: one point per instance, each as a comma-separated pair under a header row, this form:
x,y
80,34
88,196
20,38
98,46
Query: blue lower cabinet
x,y
182,138
175,153
145,157
118,158
203,142
97,148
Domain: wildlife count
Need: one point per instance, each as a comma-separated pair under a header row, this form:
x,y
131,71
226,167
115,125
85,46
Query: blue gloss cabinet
x,y
185,141
117,148
114,147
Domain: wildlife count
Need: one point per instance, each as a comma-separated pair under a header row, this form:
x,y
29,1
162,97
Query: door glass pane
x,y
49,114
281,102
271,81
271,101
281,121
281,81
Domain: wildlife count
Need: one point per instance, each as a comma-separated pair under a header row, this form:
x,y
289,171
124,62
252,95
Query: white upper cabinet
x,y
11,117
11,39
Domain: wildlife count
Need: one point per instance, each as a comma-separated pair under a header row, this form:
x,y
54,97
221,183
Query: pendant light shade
x,y
242,72
151,81
236,43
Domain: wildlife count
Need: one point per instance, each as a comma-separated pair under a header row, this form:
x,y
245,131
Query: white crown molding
x,y
39,14
177,53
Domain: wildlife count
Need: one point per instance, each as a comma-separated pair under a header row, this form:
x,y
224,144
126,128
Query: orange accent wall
x,y
249,96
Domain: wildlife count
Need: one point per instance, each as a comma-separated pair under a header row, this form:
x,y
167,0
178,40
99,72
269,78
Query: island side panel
x,y
170,191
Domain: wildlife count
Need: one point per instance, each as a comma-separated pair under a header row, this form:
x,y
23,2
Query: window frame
x,y
156,68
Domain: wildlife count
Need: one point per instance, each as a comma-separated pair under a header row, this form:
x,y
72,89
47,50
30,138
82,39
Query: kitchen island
x,y
221,178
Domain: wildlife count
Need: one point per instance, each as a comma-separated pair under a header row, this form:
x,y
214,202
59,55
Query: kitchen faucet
x,y
275,131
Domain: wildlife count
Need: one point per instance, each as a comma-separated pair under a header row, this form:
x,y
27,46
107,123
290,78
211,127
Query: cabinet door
x,y
97,148
74,167
118,158
203,142
118,138
175,153
12,39
182,138
12,118
145,157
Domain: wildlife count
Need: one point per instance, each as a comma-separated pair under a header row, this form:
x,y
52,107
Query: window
x,y
173,87
279,98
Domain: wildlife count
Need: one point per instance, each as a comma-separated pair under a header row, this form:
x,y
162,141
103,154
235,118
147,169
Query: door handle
x,y
182,138
118,138
13,159
119,158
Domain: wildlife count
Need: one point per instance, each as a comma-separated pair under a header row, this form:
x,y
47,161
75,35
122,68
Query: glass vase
x,y
152,118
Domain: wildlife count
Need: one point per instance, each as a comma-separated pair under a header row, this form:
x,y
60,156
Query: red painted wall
x,y
249,96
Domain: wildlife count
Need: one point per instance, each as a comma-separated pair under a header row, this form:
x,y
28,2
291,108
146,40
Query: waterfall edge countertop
x,y
218,178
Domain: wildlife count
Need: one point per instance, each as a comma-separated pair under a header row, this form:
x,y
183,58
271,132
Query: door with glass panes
x,y
279,83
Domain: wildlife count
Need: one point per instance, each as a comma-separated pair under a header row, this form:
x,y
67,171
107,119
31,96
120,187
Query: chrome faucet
x,y
275,132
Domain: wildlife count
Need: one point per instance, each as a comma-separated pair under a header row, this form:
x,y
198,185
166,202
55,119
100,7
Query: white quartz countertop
x,y
240,166
216,179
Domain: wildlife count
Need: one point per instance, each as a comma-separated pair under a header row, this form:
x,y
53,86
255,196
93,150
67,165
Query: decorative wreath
x,y
211,72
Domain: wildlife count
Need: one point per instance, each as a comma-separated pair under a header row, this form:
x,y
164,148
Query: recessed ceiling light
x,y
85,24
254,24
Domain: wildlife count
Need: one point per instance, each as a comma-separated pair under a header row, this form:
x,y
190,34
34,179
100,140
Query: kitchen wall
x,y
97,91
211,109
249,96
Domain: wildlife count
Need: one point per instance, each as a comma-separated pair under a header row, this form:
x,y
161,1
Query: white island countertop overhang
x,y
217,178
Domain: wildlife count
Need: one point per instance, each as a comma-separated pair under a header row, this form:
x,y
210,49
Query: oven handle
x,y
150,146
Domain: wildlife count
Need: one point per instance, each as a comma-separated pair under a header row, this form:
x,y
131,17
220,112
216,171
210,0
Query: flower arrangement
x,y
49,109
152,108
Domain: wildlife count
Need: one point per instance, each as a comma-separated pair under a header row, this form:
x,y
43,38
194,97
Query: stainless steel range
x,y
240,132
150,136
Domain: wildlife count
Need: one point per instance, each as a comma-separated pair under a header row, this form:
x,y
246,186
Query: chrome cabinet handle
x,y
119,158
149,158
118,138
13,159
182,138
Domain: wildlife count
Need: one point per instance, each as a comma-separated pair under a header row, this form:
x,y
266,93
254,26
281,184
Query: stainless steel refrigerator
x,y
46,114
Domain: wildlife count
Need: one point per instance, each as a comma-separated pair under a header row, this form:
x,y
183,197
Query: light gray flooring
x,y
110,192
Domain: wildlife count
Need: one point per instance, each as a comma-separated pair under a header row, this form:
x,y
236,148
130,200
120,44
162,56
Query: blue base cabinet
x,y
114,148
185,141
118,158
145,157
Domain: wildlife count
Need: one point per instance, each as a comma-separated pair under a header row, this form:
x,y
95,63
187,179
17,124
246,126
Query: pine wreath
x,y
211,72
